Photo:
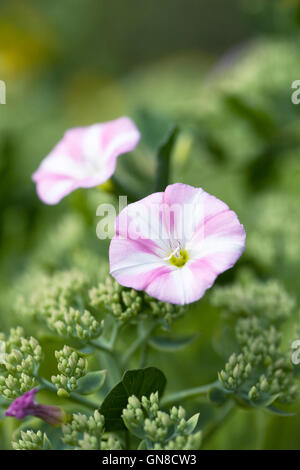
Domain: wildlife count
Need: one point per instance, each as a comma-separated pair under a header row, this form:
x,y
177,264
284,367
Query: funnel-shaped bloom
x,y
174,244
85,157
26,405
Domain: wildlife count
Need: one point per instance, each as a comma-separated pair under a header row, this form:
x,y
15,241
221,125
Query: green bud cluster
x,y
88,433
158,429
72,366
62,290
60,302
260,373
268,299
31,440
126,304
19,364
73,323
166,311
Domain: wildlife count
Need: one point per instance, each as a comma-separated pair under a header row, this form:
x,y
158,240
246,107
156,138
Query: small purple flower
x,y
26,405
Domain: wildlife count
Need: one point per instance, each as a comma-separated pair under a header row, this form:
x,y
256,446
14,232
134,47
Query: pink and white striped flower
x,y
173,244
85,157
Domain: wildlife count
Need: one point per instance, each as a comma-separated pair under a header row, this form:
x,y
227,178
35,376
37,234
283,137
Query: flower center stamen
x,y
178,256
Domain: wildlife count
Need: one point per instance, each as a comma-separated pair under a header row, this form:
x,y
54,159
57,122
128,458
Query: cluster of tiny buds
x,y
124,304
72,323
31,440
72,366
261,361
267,299
159,429
19,364
88,433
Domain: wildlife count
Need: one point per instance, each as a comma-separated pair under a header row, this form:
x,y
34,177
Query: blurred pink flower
x,y
174,244
26,405
85,157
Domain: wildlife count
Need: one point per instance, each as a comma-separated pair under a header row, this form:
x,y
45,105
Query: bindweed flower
x,y
27,406
85,157
173,244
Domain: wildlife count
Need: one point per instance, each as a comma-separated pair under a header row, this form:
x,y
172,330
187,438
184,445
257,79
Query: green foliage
x,y
19,364
239,139
72,367
158,429
31,440
135,382
128,304
88,433
258,373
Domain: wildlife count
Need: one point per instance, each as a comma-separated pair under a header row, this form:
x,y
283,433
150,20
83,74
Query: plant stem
x,y
189,393
138,343
220,419
101,346
163,161
73,395
121,190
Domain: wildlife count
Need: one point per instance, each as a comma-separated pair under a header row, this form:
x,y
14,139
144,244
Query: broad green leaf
x,y
137,382
91,382
167,344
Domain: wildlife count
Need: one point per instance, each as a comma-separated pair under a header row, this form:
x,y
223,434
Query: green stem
x,y
45,384
122,190
138,343
163,161
101,346
111,360
186,394
220,419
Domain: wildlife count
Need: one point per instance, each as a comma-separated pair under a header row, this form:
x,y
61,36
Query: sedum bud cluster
x,y
60,302
259,373
124,304
72,366
127,304
266,299
88,433
158,429
31,440
19,364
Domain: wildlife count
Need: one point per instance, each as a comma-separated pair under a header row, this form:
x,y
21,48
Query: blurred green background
x,y
222,70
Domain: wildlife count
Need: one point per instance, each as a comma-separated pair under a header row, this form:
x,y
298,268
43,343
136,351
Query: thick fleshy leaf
x,y
169,344
91,382
191,424
139,382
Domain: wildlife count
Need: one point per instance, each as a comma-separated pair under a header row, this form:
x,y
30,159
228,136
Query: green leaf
x,y
142,445
137,382
137,431
191,424
167,344
276,411
163,160
91,382
217,396
264,401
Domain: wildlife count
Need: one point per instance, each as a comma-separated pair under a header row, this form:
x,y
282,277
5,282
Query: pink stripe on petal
x,y
85,155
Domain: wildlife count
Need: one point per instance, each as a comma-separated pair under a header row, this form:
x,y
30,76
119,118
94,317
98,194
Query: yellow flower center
x,y
179,259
